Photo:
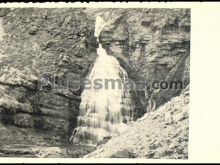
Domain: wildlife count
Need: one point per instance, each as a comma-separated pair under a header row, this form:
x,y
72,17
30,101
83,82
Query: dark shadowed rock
x,y
123,154
104,140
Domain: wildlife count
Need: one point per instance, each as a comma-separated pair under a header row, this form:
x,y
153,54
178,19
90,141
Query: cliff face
x,y
151,44
53,43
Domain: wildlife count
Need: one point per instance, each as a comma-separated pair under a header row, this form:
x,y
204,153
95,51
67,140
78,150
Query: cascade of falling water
x,y
103,111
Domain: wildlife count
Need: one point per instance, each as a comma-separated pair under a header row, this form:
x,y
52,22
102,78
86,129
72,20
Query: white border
x,y
204,139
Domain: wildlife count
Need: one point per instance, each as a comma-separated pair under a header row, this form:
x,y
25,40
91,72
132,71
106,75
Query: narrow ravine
x,y
104,111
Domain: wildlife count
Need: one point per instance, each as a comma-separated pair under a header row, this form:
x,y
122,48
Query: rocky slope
x,y
160,134
55,44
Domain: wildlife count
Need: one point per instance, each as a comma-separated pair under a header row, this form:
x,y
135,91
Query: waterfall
x,y
104,111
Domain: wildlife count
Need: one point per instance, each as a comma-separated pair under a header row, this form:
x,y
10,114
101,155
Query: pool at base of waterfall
x,y
27,150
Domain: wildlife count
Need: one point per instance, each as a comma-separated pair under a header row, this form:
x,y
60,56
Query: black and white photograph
x,y
86,82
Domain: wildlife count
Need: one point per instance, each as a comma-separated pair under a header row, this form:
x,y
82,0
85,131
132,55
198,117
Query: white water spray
x,y
104,111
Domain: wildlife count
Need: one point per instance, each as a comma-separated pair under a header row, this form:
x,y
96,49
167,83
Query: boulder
x,y
124,153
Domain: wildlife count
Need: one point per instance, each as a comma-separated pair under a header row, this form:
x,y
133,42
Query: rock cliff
x,y
56,44
152,45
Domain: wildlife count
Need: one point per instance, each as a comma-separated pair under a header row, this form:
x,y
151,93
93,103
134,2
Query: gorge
x,y
135,44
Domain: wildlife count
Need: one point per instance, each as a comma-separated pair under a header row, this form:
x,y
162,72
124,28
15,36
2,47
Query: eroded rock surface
x,y
54,43
152,45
